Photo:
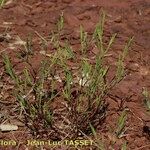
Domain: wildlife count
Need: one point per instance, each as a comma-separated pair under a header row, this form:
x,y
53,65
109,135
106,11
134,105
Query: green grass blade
x,y
2,2
121,123
124,146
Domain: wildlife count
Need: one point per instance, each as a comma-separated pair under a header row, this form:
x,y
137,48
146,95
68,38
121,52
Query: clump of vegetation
x,y
61,101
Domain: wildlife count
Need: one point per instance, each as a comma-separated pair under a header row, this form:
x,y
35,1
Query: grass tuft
x,y
61,99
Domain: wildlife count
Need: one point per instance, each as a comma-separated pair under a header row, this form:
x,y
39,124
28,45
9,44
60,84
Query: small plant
x,y
83,40
124,146
2,3
8,67
121,124
81,92
146,95
60,23
98,142
29,45
28,49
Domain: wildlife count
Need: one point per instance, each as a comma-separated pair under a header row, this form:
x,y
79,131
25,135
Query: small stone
x,y
118,19
8,127
144,71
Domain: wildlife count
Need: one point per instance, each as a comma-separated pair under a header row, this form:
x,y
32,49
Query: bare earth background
x,y
125,17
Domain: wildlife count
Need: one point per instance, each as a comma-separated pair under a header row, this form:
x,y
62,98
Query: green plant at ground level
x,y
146,95
83,40
121,124
82,91
98,142
124,146
9,67
2,3
60,23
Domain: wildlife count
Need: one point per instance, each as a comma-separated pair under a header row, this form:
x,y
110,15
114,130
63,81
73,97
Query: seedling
x,y
67,88
83,40
98,34
28,45
121,124
2,3
124,146
146,98
99,145
9,69
60,23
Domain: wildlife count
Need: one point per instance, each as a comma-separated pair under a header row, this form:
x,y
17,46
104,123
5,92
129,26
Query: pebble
x,y
118,19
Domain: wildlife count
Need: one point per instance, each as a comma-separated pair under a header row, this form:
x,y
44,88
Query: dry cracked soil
x,y
19,18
